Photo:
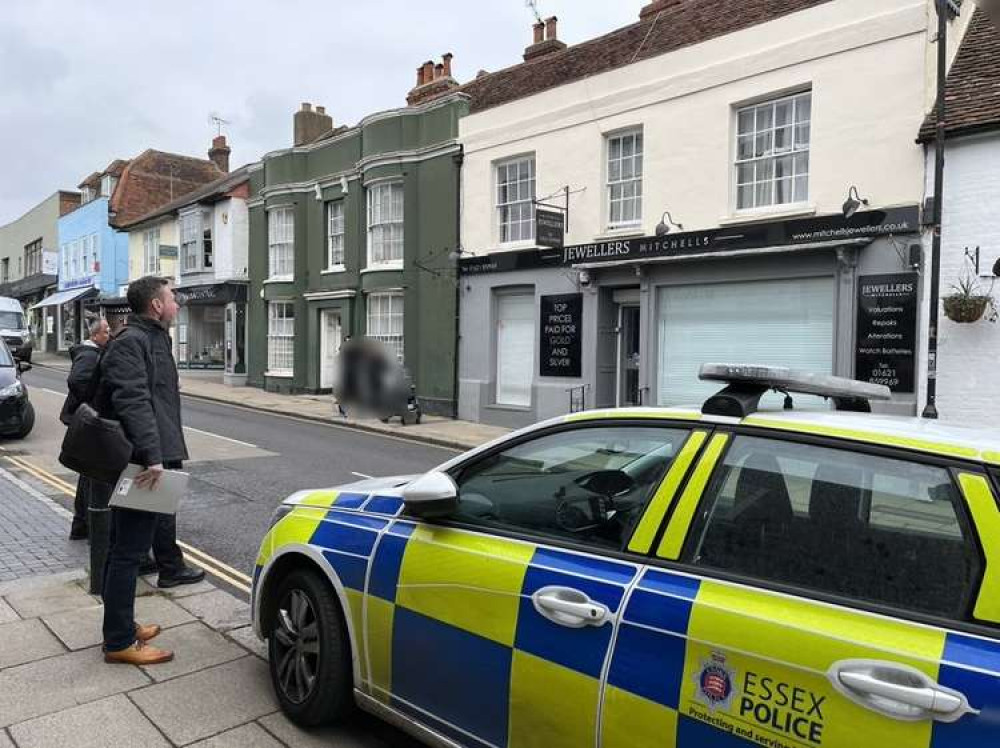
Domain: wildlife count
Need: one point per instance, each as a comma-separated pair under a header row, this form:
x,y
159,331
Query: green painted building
x,y
353,231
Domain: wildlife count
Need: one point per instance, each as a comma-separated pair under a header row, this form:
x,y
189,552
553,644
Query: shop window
x,y
385,224
515,346
772,152
281,338
151,251
515,205
335,235
207,246
385,322
874,529
624,187
280,242
587,485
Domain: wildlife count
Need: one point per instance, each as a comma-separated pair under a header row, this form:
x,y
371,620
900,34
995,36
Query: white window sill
x,y
334,269
514,246
280,279
382,268
279,374
799,210
620,232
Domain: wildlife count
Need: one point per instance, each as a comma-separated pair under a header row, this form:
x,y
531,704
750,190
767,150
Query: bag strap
x,y
147,349
95,379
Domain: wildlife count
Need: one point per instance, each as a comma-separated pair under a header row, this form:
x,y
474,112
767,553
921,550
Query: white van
x,y
14,329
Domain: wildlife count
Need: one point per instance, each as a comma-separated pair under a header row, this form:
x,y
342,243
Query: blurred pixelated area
x,y
369,382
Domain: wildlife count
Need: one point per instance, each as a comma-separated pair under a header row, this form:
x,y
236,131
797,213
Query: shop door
x,y
788,322
329,345
629,393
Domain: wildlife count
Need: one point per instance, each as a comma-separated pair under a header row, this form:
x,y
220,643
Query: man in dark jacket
x,y
85,357
139,388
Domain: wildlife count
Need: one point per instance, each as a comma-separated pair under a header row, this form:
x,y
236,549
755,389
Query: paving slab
x,y
43,687
26,641
203,704
79,629
113,721
195,647
361,731
218,609
245,637
7,614
247,736
42,582
48,598
5,742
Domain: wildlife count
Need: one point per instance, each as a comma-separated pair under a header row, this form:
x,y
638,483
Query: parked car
x,y
14,330
17,414
718,577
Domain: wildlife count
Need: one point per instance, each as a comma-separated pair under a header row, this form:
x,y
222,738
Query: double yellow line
x,y
210,564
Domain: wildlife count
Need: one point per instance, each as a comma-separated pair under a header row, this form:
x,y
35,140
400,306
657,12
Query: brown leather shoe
x,y
146,631
139,653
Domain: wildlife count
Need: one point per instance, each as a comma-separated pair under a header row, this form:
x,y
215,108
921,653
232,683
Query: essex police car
x,y
732,576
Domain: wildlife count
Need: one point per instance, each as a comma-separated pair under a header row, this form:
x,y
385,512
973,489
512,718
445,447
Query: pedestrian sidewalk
x,y
444,432
56,690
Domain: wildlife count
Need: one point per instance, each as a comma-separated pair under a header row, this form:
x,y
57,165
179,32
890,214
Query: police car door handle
x,y
898,691
568,607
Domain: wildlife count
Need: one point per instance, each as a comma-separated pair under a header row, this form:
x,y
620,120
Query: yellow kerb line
x,y
209,563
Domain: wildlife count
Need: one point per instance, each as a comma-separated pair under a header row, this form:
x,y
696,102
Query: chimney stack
x,y
650,10
307,125
546,40
433,81
219,153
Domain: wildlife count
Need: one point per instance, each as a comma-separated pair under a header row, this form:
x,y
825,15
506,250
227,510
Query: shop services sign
x,y
886,345
562,335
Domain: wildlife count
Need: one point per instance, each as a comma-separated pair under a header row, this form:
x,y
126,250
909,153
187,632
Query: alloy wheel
x,y
297,646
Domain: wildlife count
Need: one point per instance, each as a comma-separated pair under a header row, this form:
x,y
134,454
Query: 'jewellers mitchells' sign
x,y
887,330
562,335
864,225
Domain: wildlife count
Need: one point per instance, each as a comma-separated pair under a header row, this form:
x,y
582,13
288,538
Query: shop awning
x,y
64,297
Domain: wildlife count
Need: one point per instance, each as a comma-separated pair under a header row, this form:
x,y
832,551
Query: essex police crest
x,y
716,682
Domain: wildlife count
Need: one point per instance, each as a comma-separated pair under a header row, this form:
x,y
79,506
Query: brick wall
x,y
969,354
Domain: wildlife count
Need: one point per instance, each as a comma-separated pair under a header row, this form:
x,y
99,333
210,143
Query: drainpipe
x,y
459,159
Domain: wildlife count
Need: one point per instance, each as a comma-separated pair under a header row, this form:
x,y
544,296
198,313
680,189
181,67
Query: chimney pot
x,y
320,110
219,153
550,27
439,70
420,76
307,125
428,72
539,32
306,106
447,57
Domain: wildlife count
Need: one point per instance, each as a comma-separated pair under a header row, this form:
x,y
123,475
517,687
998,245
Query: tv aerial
x,y
533,5
215,119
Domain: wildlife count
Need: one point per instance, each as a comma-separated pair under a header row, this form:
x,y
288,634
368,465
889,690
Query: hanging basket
x,y
965,309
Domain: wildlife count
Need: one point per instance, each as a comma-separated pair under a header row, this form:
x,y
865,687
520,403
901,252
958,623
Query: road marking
x,y
51,392
362,475
219,436
201,559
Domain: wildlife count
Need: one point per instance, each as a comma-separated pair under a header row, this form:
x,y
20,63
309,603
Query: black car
x,y
17,415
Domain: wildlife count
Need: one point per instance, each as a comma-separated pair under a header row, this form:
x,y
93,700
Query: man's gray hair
x,y
95,326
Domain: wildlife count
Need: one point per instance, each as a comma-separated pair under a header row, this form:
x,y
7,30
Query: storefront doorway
x,y
330,334
629,361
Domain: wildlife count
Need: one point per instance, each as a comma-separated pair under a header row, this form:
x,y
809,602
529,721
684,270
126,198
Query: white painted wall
x,y
231,227
136,249
969,354
865,64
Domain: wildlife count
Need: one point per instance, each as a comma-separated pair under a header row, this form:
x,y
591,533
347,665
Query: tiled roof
x,y
972,92
219,188
92,180
680,25
155,178
116,167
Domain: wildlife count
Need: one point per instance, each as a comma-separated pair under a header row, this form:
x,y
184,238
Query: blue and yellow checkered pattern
x,y
448,634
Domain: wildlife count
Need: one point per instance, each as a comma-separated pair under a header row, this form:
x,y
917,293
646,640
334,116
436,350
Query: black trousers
x,y
80,502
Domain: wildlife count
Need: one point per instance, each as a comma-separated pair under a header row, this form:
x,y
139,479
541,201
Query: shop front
x,y
211,329
62,317
630,322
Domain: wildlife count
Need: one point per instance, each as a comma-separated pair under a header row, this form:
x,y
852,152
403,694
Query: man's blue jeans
x,y
131,539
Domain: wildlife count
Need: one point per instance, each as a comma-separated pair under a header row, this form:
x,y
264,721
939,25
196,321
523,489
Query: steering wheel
x,y
591,512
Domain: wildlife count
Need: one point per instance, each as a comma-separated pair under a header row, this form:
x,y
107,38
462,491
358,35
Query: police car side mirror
x,y
433,494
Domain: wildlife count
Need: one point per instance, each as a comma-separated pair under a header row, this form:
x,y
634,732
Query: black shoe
x,y
147,566
187,575
79,531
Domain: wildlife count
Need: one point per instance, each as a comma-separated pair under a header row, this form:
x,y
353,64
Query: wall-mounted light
x,y
853,202
663,227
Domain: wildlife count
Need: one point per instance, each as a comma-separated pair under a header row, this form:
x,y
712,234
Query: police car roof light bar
x,y
747,383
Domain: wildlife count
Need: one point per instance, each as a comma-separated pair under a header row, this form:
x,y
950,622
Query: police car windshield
x,y
11,321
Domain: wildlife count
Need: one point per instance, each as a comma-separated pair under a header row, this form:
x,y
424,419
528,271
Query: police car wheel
x,y
309,651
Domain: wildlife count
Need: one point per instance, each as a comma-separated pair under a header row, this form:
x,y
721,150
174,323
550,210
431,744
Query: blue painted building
x,y
92,254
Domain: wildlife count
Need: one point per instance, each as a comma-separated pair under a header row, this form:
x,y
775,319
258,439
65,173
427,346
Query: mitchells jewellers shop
x,y
629,322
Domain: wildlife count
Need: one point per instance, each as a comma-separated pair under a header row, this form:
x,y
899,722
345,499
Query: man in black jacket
x,y
85,357
139,388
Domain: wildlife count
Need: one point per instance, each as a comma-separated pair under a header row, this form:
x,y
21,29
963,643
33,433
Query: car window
x,y
588,484
871,528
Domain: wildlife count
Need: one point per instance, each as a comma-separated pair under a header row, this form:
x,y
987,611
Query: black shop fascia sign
x,y
869,224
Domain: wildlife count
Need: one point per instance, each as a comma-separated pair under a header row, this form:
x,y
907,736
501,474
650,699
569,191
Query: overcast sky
x,y
85,81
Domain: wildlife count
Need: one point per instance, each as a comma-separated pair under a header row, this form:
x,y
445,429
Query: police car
x,y
729,576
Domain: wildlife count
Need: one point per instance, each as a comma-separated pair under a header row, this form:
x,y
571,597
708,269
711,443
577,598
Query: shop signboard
x,y
886,342
561,335
219,293
550,228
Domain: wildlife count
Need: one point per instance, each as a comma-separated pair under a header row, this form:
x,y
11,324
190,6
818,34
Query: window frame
x,y
33,258
286,244
280,371
108,184
498,207
388,339
609,184
372,189
952,465
331,266
189,241
736,161
151,251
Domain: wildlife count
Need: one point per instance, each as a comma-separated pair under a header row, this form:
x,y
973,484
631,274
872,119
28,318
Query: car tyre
x,y
309,652
28,421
